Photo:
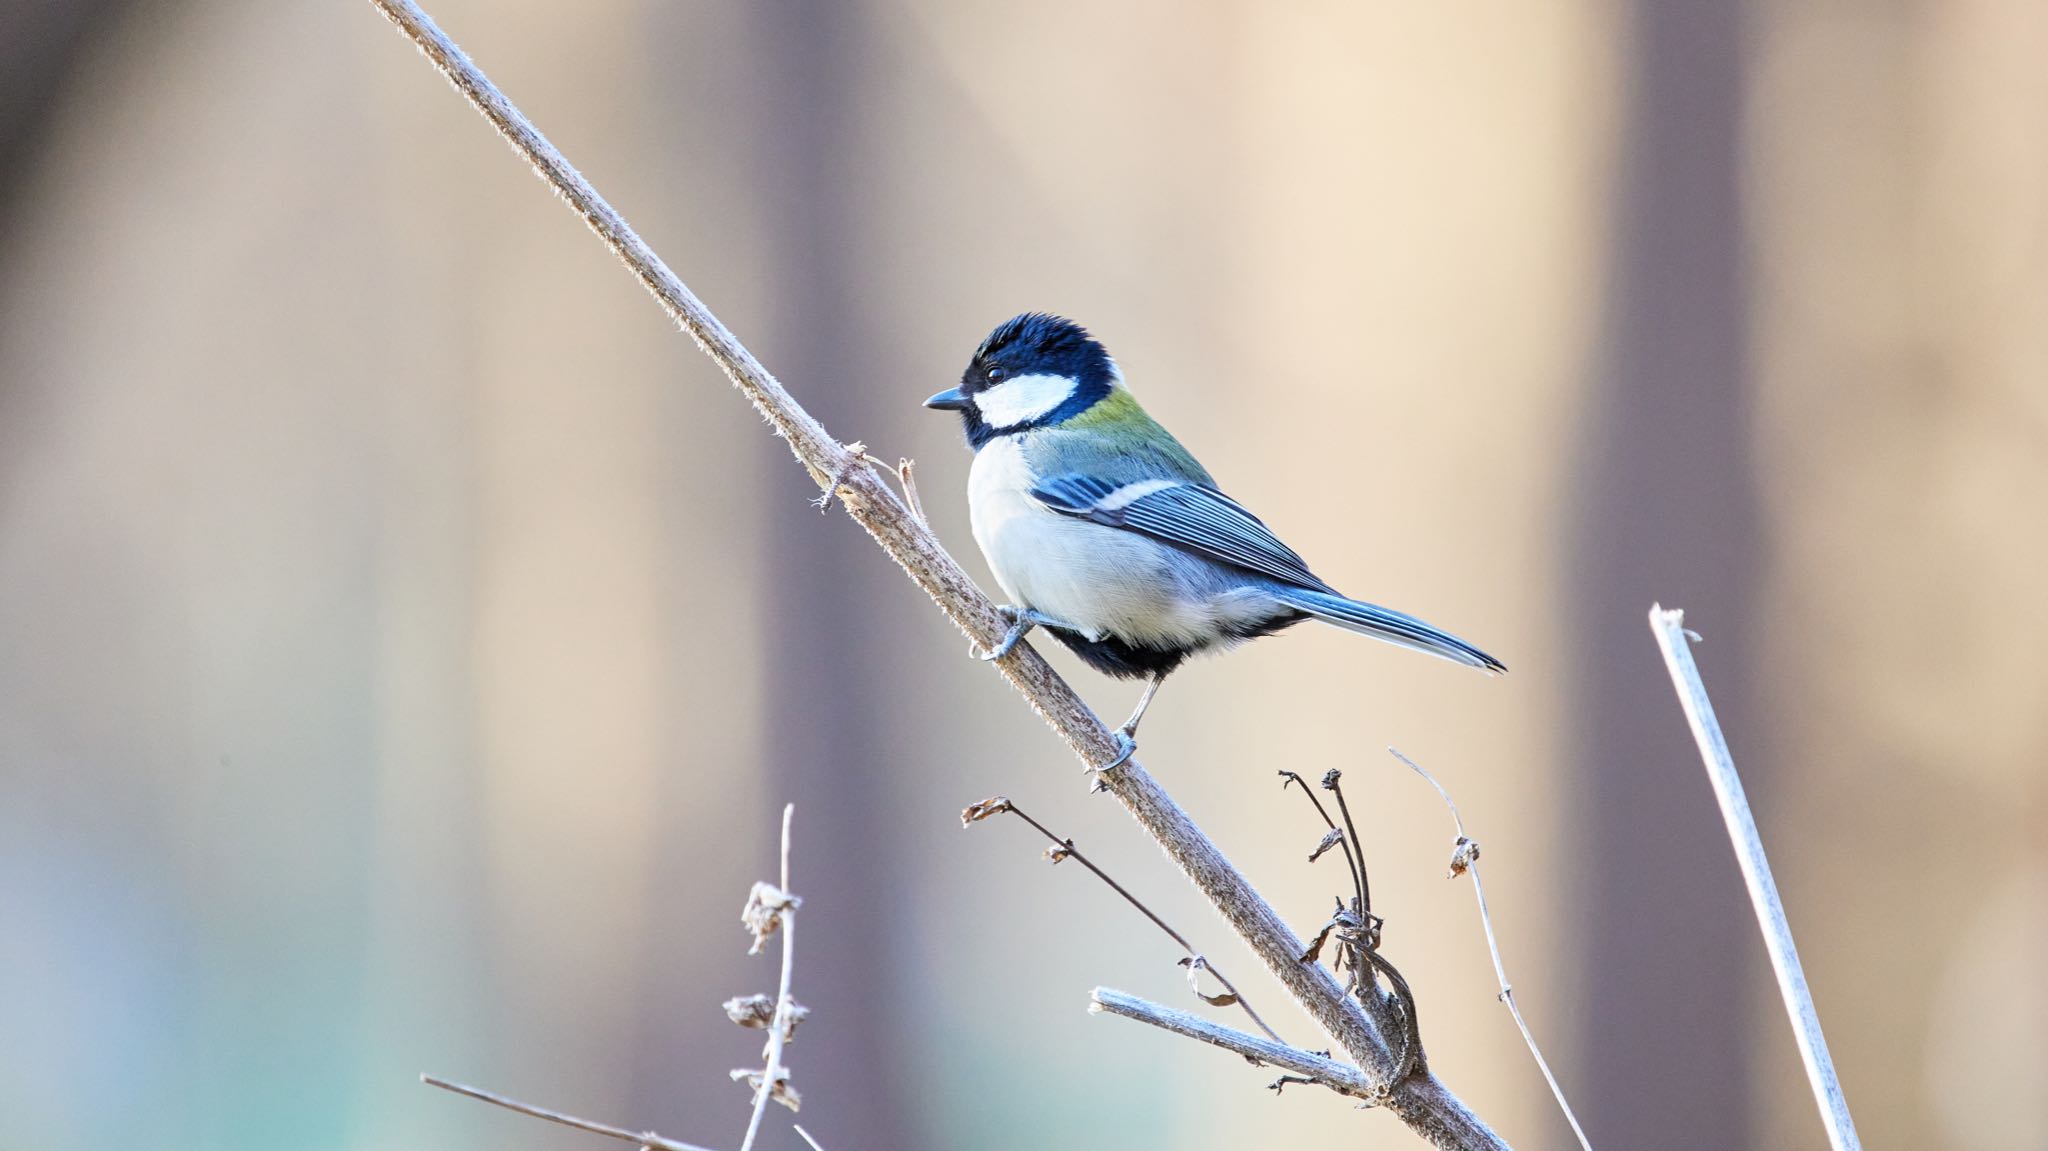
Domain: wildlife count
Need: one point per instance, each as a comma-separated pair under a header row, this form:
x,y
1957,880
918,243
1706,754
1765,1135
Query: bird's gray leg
x,y
1130,726
1022,620
1127,735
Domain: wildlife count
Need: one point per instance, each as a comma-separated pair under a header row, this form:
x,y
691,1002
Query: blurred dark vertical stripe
x,y
1669,512
40,41
832,596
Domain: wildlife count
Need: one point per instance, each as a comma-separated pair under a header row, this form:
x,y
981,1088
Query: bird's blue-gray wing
x,y
1191,516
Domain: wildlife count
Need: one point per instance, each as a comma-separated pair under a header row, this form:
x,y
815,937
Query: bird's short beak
x,y
950,400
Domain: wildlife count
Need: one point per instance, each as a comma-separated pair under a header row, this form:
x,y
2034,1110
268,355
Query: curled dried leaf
x,y
762,915
1411,1027
796,1014
752,1011
1315,946
1058,852
1331,838
1373,926
1463,855
1195,965
758,1012
976,812
782,1092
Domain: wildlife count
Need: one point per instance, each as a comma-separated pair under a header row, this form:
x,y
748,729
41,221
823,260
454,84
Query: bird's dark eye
x,y
995,375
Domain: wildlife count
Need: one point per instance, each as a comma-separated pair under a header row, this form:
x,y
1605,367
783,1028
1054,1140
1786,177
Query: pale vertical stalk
x,y
778,1028
1673,639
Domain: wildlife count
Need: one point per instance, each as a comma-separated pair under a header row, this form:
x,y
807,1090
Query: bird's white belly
x,y
1099,579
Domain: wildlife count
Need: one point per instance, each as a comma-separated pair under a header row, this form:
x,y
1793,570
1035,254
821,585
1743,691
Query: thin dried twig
x,y
1331,785
1357,932
642,1138
1669,627
1063,849
1343,840
1420,1100
1321,1070
774,1076
906,475
1464,858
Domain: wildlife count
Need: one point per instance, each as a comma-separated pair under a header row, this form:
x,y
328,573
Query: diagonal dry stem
x,y
1319,1070
643,1138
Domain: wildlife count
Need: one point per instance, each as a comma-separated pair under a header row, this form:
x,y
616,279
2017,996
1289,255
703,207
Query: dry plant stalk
x,y
1418,1098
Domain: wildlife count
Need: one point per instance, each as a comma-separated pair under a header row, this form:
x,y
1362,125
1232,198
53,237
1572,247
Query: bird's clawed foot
x,y
1126,747
857,454
1022,620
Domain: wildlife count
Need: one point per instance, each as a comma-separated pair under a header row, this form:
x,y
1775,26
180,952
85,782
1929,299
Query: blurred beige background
x,y
406,639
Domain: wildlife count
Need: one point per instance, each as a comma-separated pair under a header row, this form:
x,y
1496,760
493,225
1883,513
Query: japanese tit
x,y
1105,531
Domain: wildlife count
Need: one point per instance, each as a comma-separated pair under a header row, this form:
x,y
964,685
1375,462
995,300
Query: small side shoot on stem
x,y
1064,849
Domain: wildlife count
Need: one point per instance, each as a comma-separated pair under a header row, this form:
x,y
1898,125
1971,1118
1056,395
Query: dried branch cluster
x,y
1353,934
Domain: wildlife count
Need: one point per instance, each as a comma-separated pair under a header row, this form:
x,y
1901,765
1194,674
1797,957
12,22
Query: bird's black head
x,y
1033,371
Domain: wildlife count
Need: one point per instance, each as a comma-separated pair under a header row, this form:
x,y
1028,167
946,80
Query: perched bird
x,y
1103,530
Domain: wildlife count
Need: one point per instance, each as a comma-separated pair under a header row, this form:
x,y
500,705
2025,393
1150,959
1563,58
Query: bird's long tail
x,y
1387,624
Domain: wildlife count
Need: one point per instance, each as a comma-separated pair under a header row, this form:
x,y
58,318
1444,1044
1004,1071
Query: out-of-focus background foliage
x,y
407,640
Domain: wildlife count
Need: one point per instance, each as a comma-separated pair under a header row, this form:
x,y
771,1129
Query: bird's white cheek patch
x,y
1023,399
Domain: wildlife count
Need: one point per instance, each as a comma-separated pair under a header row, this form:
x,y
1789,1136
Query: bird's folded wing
x,y
1195,517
